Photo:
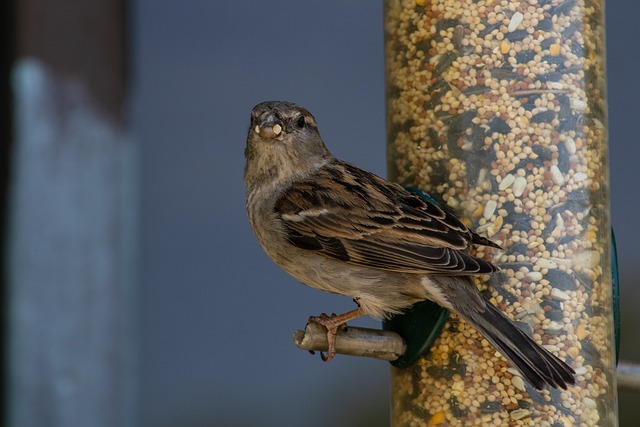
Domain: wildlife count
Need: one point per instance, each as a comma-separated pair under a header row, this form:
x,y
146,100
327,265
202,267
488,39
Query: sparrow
x,y
341,229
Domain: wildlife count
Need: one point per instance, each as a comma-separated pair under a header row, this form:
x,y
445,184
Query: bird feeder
x,y
498,110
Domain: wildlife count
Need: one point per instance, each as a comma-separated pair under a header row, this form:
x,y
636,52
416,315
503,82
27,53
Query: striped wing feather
x,y
348,214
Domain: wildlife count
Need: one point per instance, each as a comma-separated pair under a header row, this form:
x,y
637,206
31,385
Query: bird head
x,y
283,142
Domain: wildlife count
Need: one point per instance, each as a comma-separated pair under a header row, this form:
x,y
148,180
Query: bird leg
x,y
332,323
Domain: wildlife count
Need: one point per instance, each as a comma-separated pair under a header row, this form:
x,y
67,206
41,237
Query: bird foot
x,y
334,323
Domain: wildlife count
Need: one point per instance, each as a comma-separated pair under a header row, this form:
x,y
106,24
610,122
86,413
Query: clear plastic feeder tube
x,y
497,108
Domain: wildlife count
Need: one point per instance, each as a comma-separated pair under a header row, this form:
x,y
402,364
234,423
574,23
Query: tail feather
x,y
537,364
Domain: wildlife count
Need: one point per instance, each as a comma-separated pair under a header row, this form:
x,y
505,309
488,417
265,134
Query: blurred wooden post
x,y
71,219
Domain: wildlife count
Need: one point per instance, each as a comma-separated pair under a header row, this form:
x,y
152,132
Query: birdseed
x,y
497,108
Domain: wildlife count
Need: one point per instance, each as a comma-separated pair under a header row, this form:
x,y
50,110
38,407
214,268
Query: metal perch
x,y
388,345
354,341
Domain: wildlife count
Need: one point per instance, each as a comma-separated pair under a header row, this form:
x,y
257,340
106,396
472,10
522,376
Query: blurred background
x,y
215,317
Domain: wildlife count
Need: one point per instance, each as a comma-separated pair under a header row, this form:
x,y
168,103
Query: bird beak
x,y
270,126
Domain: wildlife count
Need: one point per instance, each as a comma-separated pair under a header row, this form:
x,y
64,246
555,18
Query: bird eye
x,y
300,122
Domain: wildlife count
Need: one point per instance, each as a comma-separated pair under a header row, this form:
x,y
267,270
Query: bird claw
x,y
328,322
333,323
328,356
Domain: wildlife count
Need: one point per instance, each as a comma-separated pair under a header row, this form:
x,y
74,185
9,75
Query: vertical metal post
x,y
71,219
499,109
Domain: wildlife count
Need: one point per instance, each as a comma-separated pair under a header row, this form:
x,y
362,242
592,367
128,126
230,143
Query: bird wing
x,y
352,215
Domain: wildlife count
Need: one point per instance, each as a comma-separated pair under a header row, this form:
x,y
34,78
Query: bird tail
x,y
537,364
540,367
